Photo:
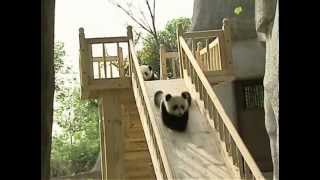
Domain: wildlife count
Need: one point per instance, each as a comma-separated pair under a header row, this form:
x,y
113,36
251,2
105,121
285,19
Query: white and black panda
x,y
174,109
148,73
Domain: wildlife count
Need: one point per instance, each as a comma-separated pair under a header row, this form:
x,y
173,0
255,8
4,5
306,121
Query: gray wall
x,y
248,58
225,94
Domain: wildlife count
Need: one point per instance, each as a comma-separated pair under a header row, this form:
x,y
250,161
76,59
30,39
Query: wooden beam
x,y
121,63
170,55
47,83
102,142
163,63
202,34
107,40
107,59
179,34
114,134
108,84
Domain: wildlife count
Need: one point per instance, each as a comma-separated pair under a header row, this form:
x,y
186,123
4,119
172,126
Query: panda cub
x,y
148,73
174,109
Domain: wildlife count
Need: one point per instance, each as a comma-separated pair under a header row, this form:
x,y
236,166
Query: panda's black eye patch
x,y
146,73
175,107
182,106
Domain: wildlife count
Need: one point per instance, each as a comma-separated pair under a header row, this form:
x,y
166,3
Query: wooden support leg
x,y
113,135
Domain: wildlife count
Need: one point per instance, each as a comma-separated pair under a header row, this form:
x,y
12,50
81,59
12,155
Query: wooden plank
x,y
99,71
225,118
163,62
179,33
214,43
202,34
89,61
208,55
136,146
107,40
114,134
104,61
234,153
102,142
203,51
197,55
121,63
107,84
137,155
84,71
170,55
247,173
107,59
173,66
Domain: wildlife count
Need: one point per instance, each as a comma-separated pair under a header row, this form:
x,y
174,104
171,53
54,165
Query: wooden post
x,y
198,58
130,37
163,63
121,64
129,32
179,33
173,66
114,134
228,46
208,55
104,61
102,143
89,61
83,64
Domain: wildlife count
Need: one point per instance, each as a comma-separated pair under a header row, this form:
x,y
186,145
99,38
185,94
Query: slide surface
x,y
196,152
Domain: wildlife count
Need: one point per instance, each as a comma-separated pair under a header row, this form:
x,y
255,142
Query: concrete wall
x,y
225,93
248,58
248,61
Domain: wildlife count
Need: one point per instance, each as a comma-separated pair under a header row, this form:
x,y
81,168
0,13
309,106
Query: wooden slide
x,y
195,153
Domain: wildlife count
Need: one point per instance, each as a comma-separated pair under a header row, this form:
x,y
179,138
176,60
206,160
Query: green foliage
x,y
238,10
150,52
76,147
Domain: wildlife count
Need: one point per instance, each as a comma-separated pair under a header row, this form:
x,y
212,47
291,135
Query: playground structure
x,y
134,143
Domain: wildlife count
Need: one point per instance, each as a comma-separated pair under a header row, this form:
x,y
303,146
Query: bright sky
x,y
99,18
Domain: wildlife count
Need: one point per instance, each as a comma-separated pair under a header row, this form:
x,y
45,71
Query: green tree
x,y
76,147
150,51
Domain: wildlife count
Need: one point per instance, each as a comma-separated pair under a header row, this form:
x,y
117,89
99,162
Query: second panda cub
x,y
148,73
174,109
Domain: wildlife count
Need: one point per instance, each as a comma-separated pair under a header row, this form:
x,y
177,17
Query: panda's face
x,y
176,105
146,71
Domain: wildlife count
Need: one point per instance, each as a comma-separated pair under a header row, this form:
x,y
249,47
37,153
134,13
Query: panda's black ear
x,y
186,95
150,68
168,97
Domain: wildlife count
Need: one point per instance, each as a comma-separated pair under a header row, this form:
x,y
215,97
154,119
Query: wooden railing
x,y
155,144
168,60
231,141
93,69
216,57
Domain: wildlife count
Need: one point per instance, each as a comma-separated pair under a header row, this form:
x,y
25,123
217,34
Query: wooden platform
x,y
196,152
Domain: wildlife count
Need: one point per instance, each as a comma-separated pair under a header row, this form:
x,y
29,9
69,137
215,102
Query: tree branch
x,y
155,35
134,19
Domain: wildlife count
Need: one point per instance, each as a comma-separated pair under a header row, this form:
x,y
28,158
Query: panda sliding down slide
x,y
174,109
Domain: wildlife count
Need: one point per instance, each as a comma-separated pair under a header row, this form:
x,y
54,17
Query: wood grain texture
x,y
195,153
